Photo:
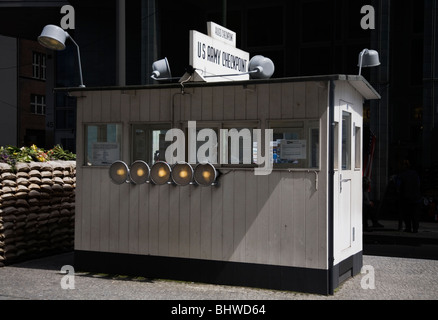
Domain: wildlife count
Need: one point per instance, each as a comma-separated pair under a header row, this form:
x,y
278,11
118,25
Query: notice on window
x,y
293,150
105,153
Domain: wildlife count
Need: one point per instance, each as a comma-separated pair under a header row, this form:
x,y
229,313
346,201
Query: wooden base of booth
x,y
306,280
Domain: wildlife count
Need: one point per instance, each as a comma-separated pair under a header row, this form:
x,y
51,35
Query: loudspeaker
x,y
264,66
161,70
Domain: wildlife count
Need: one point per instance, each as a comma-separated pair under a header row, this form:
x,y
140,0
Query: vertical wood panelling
x,y
174,222
229,103
239,221
105,117
135,106
144,105
251,103
240,104
143,219
165,105
228,216
263,102
114,201
206,223
312,217
104,206
96,100
273,254
195,223
287,221
251,216
154,104
133,219
94,210
163,221
218,103
275,97
116,111
154,220
262,222
299,226
278,219
87,109
312,100
287,108
207,104
196,105
86,204
184,231
216,223
299,104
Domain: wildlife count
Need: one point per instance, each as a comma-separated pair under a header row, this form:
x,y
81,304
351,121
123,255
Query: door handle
x,y
341,181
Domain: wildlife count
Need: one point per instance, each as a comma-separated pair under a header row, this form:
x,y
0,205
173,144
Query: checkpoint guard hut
x,y
298,228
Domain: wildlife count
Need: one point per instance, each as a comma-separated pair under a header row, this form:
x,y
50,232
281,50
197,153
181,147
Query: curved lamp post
x,y
53,37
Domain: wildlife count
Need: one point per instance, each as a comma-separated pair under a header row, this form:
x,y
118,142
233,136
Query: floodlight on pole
x,y
54,38
368,58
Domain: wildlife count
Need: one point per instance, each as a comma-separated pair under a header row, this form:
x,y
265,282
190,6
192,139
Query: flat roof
x,y
357,82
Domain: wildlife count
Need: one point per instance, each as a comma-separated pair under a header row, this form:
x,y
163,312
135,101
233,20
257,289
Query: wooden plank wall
x,y
278,219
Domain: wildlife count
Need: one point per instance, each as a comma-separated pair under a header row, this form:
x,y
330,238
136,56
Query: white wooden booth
x,y
298,228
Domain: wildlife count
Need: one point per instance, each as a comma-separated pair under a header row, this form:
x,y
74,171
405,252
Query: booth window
x,y
149,142
102,144
346,141
358,149
238,144
296,144
235,145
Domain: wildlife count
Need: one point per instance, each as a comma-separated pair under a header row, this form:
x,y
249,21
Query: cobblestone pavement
x,y
394,279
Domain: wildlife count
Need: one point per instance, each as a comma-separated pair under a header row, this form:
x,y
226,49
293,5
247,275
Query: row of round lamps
x,y
161,173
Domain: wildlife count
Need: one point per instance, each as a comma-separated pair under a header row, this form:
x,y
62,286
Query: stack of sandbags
x,y
37,209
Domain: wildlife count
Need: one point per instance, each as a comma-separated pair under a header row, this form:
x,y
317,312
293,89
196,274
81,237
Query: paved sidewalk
x,y
395,279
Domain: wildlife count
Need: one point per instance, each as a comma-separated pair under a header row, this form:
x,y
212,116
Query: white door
x,y
346,171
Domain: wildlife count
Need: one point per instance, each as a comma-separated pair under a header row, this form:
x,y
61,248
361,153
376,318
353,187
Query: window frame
x,y
86,147
38,101
305,129
149,126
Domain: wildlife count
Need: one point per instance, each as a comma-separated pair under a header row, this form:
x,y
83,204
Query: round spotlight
x,y
205,175
182,174
119,172
140,172
53,37
160,173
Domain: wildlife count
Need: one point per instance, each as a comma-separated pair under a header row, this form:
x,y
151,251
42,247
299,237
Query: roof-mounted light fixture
x,y
368,58
54,37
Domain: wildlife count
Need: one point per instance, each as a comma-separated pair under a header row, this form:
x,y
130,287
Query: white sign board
x,y
221,33
105,153
215,60
293,149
